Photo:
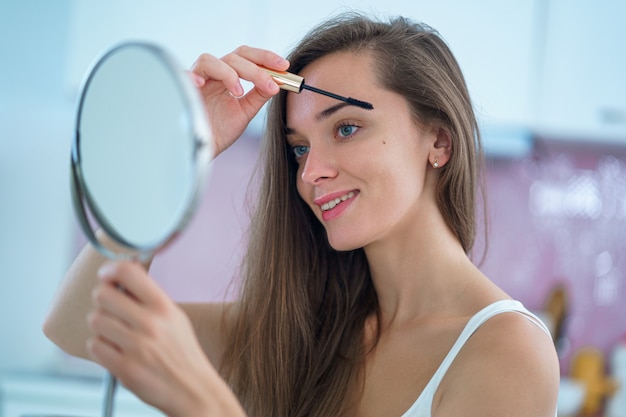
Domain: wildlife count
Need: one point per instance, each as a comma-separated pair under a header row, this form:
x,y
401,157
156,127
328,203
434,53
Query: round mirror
x,y
140,152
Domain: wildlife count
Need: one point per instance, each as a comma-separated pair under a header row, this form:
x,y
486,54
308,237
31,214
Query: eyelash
x,y
346,124
295,149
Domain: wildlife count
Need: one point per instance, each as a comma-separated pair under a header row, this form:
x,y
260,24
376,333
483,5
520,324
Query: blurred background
x,y
548,81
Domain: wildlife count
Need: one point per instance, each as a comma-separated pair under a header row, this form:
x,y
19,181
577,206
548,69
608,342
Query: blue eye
x,y
300,150
347,130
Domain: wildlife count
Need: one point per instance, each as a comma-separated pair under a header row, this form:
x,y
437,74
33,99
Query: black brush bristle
x,y
362,104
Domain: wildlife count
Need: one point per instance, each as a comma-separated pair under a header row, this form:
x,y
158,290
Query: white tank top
x,y
422,406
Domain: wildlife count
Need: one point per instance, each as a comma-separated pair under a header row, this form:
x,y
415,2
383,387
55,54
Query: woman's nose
x,y
318,165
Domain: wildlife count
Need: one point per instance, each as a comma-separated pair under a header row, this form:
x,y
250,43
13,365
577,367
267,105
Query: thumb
x,y
133,279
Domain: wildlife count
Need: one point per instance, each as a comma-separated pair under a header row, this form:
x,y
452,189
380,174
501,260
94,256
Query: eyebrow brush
x,y
295,83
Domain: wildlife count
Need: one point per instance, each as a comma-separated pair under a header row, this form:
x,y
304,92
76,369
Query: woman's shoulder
x,y
508,367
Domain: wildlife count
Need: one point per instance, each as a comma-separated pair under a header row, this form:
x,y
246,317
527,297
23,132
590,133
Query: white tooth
x,y
331,204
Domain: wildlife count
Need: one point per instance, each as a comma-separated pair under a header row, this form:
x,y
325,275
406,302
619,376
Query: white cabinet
x,y
493,40
583,87
185,28
552,66
496,43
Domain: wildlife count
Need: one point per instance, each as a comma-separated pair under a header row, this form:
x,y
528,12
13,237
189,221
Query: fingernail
x,y
199,80
272,86
239,91
107,268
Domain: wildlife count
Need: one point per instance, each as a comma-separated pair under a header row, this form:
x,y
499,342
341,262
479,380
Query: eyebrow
x,y
324,114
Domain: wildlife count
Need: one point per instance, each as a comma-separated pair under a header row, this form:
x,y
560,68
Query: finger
x,y
241,63
104,353
246,60
111,330
264,84
108,298
209,67
134,279
263,57
196,79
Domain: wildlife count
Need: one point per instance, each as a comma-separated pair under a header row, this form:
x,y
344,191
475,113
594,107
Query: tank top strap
x,y
498,307
423,404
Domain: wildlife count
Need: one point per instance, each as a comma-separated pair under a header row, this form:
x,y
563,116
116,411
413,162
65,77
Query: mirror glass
x,y
141,149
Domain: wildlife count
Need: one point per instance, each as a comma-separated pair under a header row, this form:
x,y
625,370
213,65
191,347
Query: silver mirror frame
x,y
85,206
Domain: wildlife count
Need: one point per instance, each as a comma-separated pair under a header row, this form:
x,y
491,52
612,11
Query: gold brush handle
x,y
286,80
295,83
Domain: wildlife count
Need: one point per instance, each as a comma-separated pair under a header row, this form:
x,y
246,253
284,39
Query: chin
x,y
343,245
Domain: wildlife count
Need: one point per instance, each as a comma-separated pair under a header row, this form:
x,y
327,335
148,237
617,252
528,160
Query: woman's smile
x,y
332,205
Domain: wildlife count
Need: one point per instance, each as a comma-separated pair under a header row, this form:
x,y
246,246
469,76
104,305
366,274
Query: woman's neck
x,y
420,269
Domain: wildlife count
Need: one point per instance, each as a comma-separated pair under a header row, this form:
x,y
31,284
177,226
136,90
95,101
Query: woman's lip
x,y
335,208
320,201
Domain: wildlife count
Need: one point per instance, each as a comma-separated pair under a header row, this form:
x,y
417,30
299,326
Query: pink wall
x,y
556,217
560,218
201,263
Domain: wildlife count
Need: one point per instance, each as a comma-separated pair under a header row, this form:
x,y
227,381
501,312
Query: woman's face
x,y
362,172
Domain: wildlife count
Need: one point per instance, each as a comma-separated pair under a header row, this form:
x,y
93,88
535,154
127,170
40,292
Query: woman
x,y
358,298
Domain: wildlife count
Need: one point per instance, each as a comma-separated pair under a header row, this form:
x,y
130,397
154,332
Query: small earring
x,y
436,163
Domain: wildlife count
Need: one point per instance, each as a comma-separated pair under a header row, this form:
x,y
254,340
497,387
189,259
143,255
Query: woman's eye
x,y
300,150
347,130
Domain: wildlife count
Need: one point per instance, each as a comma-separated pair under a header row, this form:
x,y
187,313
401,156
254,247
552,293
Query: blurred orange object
x,y
588,367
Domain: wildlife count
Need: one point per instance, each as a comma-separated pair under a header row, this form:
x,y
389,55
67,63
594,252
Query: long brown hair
x,y
297,347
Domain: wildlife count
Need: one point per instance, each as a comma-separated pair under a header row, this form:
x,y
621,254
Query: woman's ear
x,y
441,149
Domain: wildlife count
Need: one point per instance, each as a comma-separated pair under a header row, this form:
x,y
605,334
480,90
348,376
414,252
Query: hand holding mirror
x,y
140,154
